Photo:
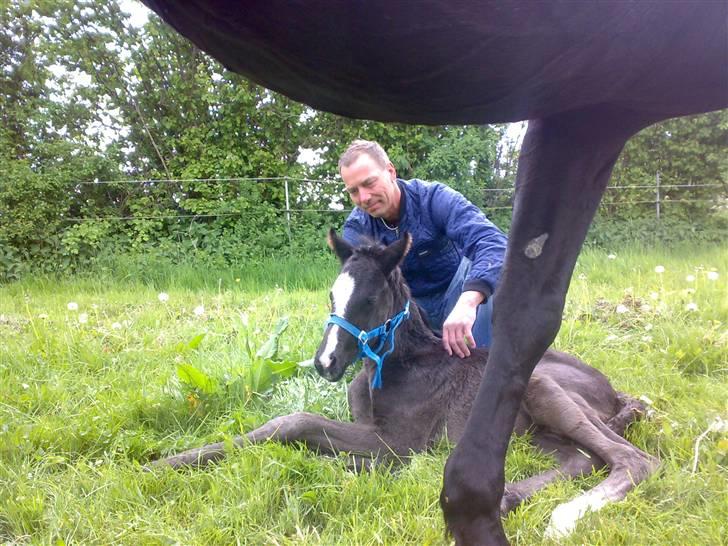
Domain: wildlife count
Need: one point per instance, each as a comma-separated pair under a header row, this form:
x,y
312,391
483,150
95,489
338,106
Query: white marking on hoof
x,y
535,246
565,517
341,293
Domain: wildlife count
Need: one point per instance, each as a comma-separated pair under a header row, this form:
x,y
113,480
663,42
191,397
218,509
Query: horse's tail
x,y
630,410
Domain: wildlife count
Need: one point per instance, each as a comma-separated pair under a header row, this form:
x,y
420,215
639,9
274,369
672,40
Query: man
x,y
457,253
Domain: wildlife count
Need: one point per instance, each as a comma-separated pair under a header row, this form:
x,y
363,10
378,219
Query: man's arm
x,y
457,330
484,244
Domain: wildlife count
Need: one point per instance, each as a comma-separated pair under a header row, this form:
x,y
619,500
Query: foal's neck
x,y
413,335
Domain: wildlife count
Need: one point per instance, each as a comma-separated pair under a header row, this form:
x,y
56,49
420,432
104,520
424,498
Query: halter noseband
x,y
384,332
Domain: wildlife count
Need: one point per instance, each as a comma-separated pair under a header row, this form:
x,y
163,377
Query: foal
x,y
408,397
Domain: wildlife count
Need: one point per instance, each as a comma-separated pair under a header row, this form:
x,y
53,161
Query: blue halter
x,y
384,332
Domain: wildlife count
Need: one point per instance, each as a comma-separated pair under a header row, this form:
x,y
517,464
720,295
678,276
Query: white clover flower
x,y
692,306
43,316
690,278
199,310
646,307
649,326
654,295
25,386
582,277
659,269
712,275
116,326
621,309
72,306
83,318
163,297
612,257
647,339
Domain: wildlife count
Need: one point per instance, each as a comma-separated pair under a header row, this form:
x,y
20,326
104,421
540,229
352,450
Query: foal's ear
x,y
395,253
340,247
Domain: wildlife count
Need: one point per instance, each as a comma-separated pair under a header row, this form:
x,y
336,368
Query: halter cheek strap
x,y
384,332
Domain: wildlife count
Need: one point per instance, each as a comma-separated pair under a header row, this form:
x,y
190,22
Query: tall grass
x,y
85,401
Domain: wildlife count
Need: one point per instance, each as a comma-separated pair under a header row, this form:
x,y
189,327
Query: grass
x,y
83,405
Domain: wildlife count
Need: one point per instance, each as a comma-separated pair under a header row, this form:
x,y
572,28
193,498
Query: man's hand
x,y
457,330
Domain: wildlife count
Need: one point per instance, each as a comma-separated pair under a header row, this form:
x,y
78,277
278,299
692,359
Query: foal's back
x,y
431,394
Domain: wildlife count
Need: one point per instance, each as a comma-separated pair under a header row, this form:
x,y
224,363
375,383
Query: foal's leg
x,y
315,431
564,167
573,462
569,415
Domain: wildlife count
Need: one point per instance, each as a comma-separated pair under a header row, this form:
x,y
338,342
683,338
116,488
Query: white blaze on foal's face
x,y
340,295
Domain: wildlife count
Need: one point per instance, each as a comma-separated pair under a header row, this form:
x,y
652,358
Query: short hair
x,y
369,147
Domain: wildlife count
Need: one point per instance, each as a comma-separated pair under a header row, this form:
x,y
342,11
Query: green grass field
x,y
90,394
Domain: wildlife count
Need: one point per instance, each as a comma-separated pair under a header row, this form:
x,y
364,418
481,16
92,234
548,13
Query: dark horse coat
x,y
587,74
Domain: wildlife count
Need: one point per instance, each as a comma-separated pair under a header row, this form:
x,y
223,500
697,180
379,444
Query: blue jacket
x,y
445,226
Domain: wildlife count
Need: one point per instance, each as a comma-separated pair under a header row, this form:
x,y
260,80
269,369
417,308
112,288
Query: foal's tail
x,y
630,410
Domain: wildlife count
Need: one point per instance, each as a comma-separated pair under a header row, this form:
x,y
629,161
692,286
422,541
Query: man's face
x,y
372,188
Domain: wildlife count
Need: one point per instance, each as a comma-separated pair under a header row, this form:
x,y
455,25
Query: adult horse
x,y
588,75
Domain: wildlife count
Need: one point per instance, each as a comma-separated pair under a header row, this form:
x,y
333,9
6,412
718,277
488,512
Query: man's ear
x,y
395,253
341,248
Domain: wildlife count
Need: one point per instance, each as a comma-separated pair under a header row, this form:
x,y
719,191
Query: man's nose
x,y
364,195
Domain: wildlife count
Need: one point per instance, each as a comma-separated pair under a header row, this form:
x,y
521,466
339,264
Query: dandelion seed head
x,y
116,325
199,310
712,275
621,309
612,257
72,306
692,306
83,318
654,295
647,339
163,297
690,278
659,269
649,326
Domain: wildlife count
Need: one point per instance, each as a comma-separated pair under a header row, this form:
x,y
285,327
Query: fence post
x,y
657,192
288,212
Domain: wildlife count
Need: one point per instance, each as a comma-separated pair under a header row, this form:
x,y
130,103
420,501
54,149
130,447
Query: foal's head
x,y
362,295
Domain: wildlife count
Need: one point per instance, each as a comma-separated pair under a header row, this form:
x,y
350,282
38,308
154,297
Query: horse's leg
x,y
564,167
317,432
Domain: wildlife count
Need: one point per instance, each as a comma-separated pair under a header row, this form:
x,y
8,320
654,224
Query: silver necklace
x,y
386,225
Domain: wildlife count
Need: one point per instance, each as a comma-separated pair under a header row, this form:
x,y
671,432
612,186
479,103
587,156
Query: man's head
x,y
370,179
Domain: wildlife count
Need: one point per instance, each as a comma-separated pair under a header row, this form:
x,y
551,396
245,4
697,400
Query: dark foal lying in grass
x,y
570,408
